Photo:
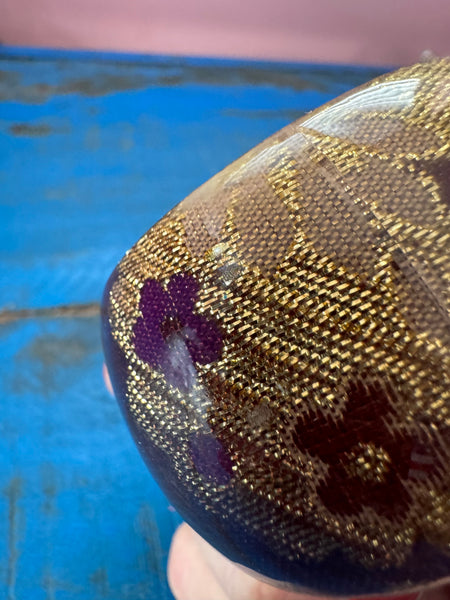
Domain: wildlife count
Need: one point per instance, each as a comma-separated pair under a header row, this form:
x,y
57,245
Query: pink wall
x,y
385,31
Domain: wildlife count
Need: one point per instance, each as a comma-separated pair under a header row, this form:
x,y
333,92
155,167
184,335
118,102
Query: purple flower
x,y
210,458
169,335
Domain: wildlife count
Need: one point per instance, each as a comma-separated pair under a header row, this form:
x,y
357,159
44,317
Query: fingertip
x,y
175,568
188,574
107,379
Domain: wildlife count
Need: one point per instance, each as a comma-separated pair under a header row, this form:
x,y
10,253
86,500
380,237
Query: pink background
x,y
354,31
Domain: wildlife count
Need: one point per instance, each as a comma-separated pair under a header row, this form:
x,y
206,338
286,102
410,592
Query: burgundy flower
x,y
367,460
169,335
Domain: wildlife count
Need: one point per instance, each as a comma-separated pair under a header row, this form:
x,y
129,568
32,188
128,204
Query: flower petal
x,y
203,339
210,458
155,302
148,341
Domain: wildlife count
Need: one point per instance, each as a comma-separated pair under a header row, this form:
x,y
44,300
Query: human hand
x,y
197,571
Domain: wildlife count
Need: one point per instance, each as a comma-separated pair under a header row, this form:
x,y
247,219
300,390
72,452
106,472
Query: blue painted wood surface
x,y
93,150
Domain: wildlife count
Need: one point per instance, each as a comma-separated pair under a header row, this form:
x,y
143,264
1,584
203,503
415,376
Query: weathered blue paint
x,y
93,149
79,515
93,152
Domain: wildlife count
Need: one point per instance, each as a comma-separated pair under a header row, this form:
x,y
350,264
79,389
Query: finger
x,y
107,380
198,571
189,574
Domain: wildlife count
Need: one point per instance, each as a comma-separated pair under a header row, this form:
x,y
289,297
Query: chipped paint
x,y
13,493
99,579
49,359
64,192
88,310
49,489
116,77
287,114
50,350
48,583
30,129
51,585
8,79
147,527
12,89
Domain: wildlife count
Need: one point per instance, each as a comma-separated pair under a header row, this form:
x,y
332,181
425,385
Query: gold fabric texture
x,y
321,267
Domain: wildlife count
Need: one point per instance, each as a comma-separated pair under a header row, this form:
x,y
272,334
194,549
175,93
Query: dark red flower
x,y
368,461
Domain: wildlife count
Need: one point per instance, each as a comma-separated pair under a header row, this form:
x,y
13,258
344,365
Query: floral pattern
x,y
210,458
169,335
367,461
